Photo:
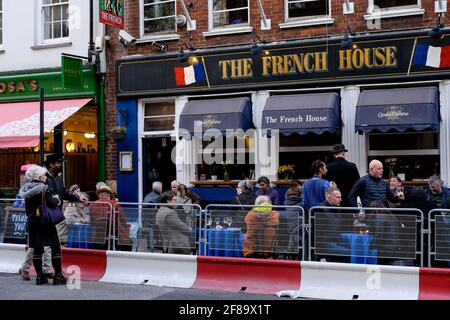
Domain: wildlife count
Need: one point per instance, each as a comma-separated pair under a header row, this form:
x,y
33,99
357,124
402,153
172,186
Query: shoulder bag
x,y
49,215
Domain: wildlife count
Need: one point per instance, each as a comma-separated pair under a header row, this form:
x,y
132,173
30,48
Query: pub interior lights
x,y
436,32
65,132
89,135
70,146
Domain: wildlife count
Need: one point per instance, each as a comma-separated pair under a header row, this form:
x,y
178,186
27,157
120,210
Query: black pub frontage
x,y
227,114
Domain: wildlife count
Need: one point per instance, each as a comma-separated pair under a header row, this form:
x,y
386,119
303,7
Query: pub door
x,y
158,164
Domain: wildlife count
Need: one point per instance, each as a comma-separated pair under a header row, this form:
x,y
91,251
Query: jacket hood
x,y
32,188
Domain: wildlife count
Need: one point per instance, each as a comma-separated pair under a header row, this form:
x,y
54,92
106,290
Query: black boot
x,y
37,263
41,279
59,279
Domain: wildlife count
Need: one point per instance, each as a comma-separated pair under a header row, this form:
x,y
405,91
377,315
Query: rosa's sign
x,y
393,113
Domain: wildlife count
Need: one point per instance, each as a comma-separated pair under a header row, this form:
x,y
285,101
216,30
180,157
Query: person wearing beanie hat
x,y
39,234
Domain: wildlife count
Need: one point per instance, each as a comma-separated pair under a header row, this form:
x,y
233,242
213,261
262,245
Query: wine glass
x,y
217,221
228,220
209,221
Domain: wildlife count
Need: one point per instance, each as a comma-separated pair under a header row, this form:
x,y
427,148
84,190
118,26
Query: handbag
x,y
49,215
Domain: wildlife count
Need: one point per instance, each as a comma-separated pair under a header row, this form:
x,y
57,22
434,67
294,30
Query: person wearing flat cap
x,y
53,164
342,172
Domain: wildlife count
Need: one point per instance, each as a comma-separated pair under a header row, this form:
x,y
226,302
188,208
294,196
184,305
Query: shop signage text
x,y
18,86
393,113
298,119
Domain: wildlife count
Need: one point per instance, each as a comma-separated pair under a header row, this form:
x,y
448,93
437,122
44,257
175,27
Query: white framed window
x,y
299,13
159,116
1,23
158,17
54,20
393,8
228,16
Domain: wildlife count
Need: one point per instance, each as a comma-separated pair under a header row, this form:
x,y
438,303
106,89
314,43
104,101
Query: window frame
x,y
393,12
228,29
144,117
307,20
41,23
161,36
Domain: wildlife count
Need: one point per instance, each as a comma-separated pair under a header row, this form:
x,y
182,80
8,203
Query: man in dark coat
x,y
342,172
55,182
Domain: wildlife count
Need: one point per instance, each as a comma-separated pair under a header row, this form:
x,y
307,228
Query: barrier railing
x,y
158,227
439,238
239,230
366,235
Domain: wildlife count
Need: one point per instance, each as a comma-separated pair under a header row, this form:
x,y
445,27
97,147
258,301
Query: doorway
x,y
158,164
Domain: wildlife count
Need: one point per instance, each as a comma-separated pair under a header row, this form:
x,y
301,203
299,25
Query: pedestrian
x,y
372,187
342,172
41,234
266,190
313,191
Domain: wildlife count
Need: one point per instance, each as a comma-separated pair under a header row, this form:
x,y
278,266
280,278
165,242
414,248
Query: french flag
x,y
434,57
189,75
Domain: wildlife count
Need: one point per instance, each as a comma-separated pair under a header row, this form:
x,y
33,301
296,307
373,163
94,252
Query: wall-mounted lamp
x,y
184,56
162,47
256,49
70,145
347,42
436,32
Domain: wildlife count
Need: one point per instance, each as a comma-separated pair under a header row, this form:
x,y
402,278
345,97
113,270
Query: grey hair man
x,y
436,193
262,199
372,187
155,195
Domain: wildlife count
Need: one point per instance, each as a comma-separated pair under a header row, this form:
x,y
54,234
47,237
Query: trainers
x,y
24,274
59,279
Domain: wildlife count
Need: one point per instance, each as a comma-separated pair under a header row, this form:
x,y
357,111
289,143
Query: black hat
x,y
51,158
338,148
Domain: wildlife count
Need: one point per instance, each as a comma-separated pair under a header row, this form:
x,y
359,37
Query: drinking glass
x,y
228,220
217,220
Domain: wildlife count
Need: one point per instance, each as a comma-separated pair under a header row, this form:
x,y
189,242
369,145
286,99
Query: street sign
x,y
72,72
112,12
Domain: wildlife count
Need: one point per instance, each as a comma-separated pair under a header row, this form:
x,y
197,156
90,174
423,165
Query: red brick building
x,y
303,63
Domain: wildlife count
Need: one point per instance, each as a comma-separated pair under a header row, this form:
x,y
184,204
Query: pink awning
x,y
19,121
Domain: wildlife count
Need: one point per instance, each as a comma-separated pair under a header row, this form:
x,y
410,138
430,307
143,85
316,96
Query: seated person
x,y
262,223
174,232
74,213
100,219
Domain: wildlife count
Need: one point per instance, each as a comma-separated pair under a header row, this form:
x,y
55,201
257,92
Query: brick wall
x,y
274,10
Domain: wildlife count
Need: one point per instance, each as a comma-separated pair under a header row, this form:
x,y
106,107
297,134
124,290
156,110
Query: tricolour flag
x,y
188,75
435,57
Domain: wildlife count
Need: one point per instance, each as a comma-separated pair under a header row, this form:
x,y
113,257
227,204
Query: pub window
x,y
55,18
393,8
1,22
159,16
412,156
302,150
406,4
226,13
234,159
297,9
159,116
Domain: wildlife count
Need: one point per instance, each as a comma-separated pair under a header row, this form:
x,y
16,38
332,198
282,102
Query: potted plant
x,y
118,132
287,171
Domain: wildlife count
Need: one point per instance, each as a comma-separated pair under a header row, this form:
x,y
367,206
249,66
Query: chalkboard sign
x,y
16,223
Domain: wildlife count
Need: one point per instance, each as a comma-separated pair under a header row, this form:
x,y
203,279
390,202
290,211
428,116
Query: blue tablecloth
x,y
360,251
223,242
79,236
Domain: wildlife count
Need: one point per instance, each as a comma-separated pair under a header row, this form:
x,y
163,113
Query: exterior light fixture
x,y
256,49
436,32
347,42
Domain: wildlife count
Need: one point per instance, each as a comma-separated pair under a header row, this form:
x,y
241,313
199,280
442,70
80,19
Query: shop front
x,y
70,127
242,116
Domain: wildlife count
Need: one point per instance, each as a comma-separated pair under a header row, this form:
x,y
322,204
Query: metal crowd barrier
x,y
366,235
178,232
92,233
229,230
439,237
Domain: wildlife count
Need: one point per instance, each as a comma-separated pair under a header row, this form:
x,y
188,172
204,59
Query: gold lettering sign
x,y
370,58
18,86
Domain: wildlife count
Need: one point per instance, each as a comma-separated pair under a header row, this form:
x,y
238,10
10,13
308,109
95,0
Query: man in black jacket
x,y
342,172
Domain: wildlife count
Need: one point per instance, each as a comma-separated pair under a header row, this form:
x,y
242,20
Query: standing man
x,y
342,172
313,191
372,187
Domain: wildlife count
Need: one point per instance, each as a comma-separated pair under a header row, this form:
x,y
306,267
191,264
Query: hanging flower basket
x,y
118,132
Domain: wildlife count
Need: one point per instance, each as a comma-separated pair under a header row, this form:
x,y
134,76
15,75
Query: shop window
x,y
159,116
232,158
1,23
412,156
227,13
55,18
159,16
302,150
307,8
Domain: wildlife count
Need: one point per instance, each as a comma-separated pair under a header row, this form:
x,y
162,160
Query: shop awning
x,y
303,113
19,121
398,110
221,114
